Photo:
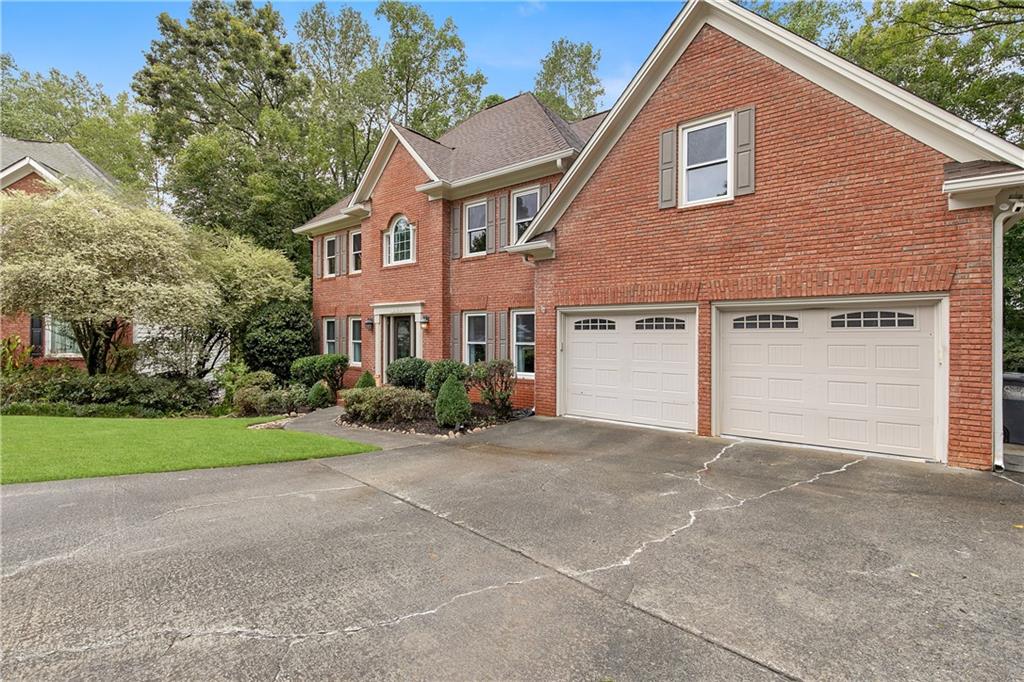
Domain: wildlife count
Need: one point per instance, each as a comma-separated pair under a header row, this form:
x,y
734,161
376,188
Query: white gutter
x,y
983,182
439,188
356,213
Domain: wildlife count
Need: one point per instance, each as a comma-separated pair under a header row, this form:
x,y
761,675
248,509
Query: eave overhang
x,y
542,248
349,217
982,190
532,169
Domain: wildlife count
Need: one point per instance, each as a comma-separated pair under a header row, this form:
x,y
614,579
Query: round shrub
x,y
366,380
276,401
248,401
408,373
320,396
440,371
277,334
388,404
260,379
313,368
452,408
298,396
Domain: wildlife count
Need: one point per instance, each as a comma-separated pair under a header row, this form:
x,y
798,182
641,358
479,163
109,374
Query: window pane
x,y
478,241
706,144
476,328
332,247
357,242
357,330
62,339
526,206
402,242
524,328
477,352
357,353
524,359
707,182
476,216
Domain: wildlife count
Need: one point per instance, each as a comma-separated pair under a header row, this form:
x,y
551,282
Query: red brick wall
x,y
844,205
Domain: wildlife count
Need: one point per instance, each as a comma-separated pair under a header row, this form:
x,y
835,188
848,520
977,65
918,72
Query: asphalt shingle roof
x,y
59,157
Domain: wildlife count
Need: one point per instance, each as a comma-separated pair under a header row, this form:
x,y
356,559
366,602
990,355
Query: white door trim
x,y
563,313
939,299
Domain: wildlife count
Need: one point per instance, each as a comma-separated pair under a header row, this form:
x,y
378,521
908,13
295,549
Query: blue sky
x,y
505,40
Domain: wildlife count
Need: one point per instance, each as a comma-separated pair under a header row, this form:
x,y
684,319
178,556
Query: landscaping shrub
x,y
388,404
227,377
277,334
440,371
496,381
248,401
261,379
298,397
276,401
366,380
320,395
313,368
452,408
408,373
69,410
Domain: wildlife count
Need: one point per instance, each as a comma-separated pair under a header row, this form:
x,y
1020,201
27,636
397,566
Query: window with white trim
x,y
476,337
355,251
525,205
60,339
355,341
400,243
330,256
706,168
594,324
766,321
871,319
523,348
330,345
476,228
660,323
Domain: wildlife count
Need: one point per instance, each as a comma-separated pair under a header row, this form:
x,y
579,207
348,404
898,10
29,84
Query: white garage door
x,y
858,378
636,368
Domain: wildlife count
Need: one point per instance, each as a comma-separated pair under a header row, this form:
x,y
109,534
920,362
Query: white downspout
x,y
1009,212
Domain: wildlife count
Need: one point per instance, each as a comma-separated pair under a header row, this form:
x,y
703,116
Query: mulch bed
x,y
483,417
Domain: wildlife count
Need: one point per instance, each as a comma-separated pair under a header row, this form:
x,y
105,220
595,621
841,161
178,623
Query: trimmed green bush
x,y
388,404
298,397
408,373
366,380
276,401
248,401
440,371
452,408
227,377
69,410
260,379
319,396
277,334
313,368
496,381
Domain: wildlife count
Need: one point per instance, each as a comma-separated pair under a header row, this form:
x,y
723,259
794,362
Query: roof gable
x,y
931,125
54,161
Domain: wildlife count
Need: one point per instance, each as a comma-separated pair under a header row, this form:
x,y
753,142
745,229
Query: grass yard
x,y
53,448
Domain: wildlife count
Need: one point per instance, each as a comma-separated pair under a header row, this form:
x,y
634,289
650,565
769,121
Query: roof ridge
x,y
424,136
558,123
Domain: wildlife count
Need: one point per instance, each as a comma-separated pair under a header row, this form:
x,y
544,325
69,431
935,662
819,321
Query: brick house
x,y
36,167
759,240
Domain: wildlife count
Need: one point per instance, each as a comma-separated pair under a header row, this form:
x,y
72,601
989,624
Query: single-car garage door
x,y
636,367
859,378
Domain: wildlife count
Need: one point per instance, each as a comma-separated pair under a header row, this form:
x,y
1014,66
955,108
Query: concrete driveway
x,y
540,549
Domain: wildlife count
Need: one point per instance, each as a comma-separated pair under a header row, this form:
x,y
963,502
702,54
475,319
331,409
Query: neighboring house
x,y
37,168
759,240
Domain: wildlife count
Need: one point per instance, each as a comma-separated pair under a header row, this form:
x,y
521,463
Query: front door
x,y
401,337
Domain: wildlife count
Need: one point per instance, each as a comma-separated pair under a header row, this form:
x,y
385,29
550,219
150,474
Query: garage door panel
x,y
850,387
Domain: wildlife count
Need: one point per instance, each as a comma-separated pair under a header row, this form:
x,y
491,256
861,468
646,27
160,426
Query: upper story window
x,y
524,207
400,243
476,228
706,151
355,250
330,256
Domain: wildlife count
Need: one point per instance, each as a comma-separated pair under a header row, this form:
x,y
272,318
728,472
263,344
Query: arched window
x,y
872,319
400,242
594,324
660,323
766,321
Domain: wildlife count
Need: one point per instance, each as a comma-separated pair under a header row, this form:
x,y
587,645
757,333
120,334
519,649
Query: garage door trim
x,y
941,392
565,312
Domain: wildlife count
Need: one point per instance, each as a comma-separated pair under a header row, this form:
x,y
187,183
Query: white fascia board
x,y
25,167
541,249
994,181
349,217
523,171
391,138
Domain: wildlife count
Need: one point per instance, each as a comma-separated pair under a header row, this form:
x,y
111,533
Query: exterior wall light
x,y
368,323
424,322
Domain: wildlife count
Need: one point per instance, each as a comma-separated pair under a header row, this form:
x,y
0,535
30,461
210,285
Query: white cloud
x,y
528,9
614,83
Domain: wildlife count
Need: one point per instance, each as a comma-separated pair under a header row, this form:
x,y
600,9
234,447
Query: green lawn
x,y
53,448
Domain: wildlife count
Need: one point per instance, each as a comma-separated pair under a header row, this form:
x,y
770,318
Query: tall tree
x,y
825,22
567,82
423,67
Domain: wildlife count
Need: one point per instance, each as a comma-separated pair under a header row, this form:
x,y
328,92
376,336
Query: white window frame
x,y
389,240
331,261
465,230
350,321
465,336
352,252
513,234
47,335
328,340
709,122
514,343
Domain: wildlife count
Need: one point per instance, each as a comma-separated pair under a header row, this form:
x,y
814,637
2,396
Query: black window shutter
x,y
35,335
667,169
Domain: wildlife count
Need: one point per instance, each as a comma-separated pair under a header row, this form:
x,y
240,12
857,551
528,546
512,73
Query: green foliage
x,y
64,409
276,401
313,368
248,401
1013,350
440,371
408,373
366,380
388,404
278,334
96,261
158,395
496,381
13,353
298,397
452,408
320,396
261,379
227,376
567,82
